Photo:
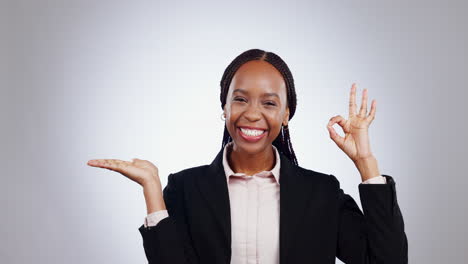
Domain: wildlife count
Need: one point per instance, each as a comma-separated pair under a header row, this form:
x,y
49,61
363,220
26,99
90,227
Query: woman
x,y
229,211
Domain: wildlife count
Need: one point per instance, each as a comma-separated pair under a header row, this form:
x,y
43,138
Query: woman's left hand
x,y
355,143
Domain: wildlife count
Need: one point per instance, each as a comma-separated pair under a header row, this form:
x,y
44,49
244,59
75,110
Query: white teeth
x,y
252,132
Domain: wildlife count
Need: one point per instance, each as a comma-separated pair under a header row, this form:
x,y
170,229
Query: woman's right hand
x,y
140,171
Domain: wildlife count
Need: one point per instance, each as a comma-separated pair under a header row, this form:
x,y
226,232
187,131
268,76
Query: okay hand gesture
x,y
355,142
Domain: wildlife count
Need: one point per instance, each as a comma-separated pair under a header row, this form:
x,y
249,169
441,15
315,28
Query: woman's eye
x,y
243,100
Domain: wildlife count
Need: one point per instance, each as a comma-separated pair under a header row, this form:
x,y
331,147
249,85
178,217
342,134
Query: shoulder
x,y
188,173
318,177
193,170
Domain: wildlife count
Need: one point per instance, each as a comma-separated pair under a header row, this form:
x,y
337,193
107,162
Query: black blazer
x,y
318,221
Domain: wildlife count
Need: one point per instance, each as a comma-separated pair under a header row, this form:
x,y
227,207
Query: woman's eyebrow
x,y
245,92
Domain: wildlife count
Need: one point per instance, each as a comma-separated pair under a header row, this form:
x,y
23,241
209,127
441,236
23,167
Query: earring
x,y
284,128
223,117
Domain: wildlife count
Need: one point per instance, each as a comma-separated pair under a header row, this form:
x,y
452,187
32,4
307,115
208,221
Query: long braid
x,y
283,141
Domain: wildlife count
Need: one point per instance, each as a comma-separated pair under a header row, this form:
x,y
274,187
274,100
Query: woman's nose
x,y
252,112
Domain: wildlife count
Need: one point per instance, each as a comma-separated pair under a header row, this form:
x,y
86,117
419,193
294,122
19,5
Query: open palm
x,y
355,142
137,170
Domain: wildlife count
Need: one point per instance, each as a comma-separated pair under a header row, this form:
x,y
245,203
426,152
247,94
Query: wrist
x,y
151,182
154,198
367,167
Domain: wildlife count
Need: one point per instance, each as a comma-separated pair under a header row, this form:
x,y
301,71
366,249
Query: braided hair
x,y
283,141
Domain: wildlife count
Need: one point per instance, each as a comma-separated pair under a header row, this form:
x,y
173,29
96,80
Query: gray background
x,y
122,79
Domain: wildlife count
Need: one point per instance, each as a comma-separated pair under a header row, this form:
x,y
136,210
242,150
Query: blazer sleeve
x,y
169,241
377,235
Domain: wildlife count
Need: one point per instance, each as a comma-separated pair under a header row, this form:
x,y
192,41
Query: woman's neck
x,y
250,164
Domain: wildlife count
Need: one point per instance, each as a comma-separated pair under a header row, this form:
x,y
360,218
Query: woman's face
x,y
257,99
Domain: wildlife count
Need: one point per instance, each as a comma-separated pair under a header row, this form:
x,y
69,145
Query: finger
x,y
363,110
341,121
336,119
138,161
339,140
352,101
371,115
111,164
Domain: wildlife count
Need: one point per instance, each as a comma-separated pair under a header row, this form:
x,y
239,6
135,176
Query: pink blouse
x,y
254,213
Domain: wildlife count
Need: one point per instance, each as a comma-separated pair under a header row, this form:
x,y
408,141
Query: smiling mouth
x,y
252,135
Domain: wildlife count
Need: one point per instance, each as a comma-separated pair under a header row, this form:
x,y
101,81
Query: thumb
x,y
339,140
137,161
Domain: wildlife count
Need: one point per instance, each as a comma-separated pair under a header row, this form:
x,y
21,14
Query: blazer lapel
x,y
214,189
294,196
